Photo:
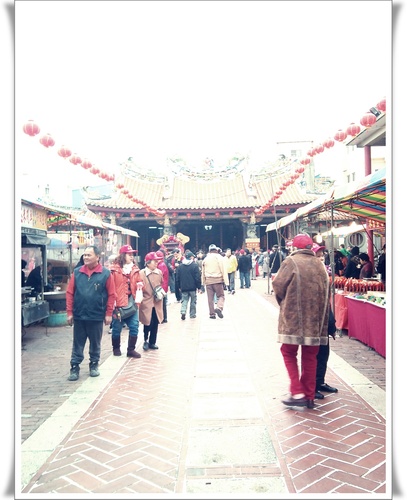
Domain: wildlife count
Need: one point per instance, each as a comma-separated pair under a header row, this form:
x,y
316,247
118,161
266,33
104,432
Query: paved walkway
x,y
201,416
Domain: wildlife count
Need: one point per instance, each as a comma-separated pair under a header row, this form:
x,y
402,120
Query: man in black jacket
x,y
244,266
188,281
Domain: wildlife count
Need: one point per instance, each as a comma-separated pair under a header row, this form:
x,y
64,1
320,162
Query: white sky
x,y
159,79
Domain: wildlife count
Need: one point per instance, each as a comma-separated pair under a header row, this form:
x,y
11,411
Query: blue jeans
x,y
231,281
244,279
192,306
132,322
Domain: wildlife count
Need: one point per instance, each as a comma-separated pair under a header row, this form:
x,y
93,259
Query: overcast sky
x,y
159,79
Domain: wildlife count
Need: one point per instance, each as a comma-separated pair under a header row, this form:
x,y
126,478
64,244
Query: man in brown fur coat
x,y
301,287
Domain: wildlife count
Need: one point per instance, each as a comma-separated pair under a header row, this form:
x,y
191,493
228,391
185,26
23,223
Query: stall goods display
x,y
355,285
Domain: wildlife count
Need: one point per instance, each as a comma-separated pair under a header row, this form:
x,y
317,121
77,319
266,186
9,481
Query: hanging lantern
x,y
340,135
353,129
47,141
146,215
125,191
64,152
320,148
132,215
310,152
231,213
75,159
174,214
203,215
279,193
86,164
245,213
314,151
94,170
300,170
368,119
381,106
31,128
257,211
118,215
329,143
188,215
119,185
305,161
217,214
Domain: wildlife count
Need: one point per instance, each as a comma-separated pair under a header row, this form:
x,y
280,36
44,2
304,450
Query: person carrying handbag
x,y
151,312
126,275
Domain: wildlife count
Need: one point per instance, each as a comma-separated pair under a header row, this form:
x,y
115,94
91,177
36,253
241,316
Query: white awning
x,y
120,229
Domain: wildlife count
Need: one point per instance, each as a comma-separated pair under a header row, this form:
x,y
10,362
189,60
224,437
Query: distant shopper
x,y
275,260
151,312
366,271
302,291
244,266
352,269
90,299
215,277
231,263
188,280
126,275
381,265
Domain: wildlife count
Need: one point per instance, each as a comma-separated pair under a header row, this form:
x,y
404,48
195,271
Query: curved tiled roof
x,y
187,194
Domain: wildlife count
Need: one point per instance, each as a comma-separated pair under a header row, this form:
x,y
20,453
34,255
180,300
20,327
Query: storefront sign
x,y
33,217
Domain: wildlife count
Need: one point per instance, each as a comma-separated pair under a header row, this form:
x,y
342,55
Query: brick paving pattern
x,y
203,414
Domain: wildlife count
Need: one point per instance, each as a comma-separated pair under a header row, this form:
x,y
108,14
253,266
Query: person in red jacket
x,y
125,273
90,298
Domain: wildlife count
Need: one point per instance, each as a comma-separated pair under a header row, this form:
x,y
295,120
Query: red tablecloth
x,y
367,323
376,326
341,311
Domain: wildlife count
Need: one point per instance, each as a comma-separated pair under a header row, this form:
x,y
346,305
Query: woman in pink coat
x,y
163,267
151,312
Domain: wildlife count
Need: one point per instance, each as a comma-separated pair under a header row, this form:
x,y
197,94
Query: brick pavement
x,y
203,414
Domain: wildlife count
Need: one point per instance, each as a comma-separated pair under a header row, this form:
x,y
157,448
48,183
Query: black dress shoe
x,y
153,346
310,403
327,388
319,395
294,402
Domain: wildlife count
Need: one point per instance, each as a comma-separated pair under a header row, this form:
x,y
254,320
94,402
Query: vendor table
x,y
367,323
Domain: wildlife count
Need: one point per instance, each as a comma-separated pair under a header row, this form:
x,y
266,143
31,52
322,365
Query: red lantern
x,y
311,152
47,141
320,148
305,161
368,120
300,170
86,164
75,159
125,191
328,143
340,135
279,193
118,215
119,185
146,215
94,170
245,213
132,215
31,128
64,152
381,106
174,214
217,214
188,215
231,213
203,215
353,129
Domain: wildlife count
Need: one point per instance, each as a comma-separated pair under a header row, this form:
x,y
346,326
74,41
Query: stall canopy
x,y
364,199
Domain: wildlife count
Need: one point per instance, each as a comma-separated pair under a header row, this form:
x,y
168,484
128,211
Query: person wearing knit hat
x,y
302,291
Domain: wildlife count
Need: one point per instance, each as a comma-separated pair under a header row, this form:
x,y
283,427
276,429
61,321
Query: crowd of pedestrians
x,y
98,295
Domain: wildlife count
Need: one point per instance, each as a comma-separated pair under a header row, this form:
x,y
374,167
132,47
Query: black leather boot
x,y
131,348
116,347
